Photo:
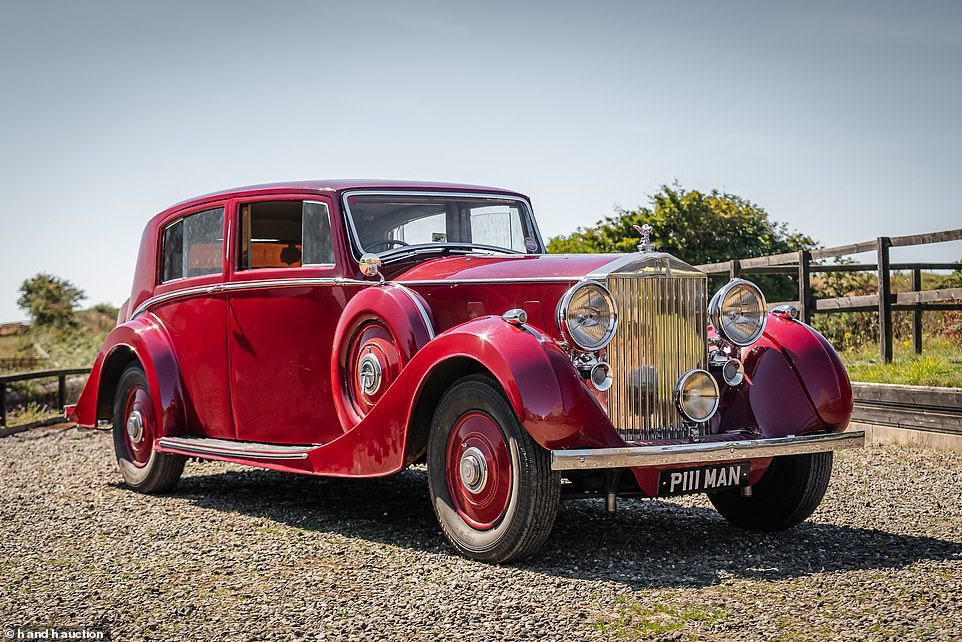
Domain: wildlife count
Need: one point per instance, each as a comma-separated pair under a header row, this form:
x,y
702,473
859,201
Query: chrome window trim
x,y
356,240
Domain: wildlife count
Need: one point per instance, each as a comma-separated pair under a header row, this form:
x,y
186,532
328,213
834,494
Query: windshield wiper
x,y
443,248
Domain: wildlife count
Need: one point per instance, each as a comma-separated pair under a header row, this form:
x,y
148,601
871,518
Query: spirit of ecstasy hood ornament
x,y
645,232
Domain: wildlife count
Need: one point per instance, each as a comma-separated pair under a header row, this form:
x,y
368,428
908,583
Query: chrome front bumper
x,y
698,452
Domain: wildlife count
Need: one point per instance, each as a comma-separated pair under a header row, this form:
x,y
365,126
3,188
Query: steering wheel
x,y
386,243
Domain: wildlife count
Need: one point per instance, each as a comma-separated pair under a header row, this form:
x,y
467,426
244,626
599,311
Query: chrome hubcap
x,y
369,374
474,470
135,426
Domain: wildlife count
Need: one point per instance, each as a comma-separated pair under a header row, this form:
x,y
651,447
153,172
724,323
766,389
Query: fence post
x,y
3,404
61,392
884,299
917,314
734,268
804,286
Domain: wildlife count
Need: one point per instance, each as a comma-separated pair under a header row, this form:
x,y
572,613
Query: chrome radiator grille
x,y
661,335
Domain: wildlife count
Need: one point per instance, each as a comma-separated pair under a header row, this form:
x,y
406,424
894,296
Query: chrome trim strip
x,y
635,456
243,285
346,210
646,264
227,448
416,299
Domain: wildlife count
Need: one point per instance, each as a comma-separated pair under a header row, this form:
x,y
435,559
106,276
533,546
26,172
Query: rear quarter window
x,y
193,246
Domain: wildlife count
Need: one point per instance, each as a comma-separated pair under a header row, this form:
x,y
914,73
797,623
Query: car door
x,y
283,308
193,310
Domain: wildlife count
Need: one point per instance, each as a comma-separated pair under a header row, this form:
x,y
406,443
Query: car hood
x,y
539,267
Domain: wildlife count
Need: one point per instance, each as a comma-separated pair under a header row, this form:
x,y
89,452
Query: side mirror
x,y
370,265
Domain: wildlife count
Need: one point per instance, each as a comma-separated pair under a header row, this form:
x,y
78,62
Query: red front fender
x,y
540,383
795,384
145,340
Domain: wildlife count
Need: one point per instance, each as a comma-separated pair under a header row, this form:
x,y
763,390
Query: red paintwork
x,y
388,313
277,364
146,340
795,383
484,509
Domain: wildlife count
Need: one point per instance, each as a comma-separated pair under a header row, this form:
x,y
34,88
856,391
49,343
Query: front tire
x,y
491,485
789,491
135,428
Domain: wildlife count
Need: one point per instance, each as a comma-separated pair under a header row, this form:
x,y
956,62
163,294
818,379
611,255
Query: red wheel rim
x,y
478,470
138,429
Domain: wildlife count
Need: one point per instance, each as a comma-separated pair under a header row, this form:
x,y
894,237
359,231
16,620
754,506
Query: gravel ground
x,y
244,554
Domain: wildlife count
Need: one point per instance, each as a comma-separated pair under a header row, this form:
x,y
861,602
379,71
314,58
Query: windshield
x,y
402,223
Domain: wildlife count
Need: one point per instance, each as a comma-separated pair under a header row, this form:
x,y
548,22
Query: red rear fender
x,y
146,341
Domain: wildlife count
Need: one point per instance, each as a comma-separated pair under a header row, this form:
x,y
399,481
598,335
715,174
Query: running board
x,y
204,446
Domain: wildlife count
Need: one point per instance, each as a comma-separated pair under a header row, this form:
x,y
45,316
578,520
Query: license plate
x,y
682,481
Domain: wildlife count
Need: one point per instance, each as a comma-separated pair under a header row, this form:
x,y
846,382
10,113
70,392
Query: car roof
x,y
342,185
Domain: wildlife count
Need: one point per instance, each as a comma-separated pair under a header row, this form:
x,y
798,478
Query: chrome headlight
x,y
737,312
696,396
586,315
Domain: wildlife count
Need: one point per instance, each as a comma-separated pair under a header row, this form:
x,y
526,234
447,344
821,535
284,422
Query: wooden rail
x,y
884,302
61,375
912,407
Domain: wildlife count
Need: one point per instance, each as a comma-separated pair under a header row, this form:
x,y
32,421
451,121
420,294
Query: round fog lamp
x,y
696,396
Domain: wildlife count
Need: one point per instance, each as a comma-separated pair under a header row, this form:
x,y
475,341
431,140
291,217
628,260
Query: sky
x,y
840,119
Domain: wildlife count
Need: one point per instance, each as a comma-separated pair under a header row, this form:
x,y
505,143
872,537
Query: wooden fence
x,y
61,376
803,263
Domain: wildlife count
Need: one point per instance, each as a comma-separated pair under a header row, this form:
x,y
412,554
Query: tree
x,y
50,300
697,227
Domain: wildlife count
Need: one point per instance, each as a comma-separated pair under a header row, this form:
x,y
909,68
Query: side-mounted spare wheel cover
x,y
381,328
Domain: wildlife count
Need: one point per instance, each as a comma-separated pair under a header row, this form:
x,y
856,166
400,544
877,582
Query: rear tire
x,y
491,485
789,491
135,429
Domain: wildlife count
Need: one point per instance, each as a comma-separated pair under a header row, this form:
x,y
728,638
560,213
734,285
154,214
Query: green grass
x,y
638,622
29,413
940,364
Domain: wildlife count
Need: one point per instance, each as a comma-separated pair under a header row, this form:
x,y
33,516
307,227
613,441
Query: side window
x,y
279,234
318,246
193,246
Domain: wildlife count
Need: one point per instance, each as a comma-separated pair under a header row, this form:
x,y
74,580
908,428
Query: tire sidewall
x,y
464,397
135,476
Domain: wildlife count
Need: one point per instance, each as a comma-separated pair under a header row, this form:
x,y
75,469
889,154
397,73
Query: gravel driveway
x,y
243,554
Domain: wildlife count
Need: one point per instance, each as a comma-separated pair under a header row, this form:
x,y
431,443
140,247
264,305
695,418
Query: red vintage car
x,y
354,328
